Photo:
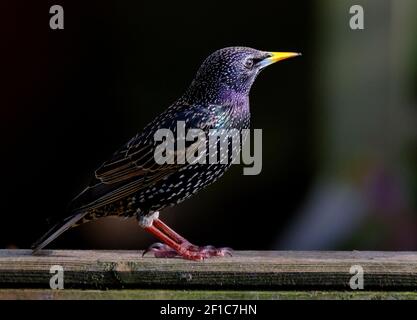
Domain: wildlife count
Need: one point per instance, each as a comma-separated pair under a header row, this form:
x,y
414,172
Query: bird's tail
x,y
57,230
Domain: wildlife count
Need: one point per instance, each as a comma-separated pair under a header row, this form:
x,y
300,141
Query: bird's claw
x,y
187,251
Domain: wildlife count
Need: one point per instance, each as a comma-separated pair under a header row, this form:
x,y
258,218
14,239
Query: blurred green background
x,y
339,124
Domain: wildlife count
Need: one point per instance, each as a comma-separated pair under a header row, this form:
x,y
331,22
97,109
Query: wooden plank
x,y
155,294
272,270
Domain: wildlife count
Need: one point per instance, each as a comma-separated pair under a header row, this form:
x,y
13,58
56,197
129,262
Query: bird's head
x,y
235,68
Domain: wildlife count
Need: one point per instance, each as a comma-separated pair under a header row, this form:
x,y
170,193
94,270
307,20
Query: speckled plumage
x,y
132,184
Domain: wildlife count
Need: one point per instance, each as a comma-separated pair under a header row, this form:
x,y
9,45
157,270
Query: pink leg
x,y
168,231
176,245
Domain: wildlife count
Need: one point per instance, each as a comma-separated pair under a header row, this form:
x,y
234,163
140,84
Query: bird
x,y
132,184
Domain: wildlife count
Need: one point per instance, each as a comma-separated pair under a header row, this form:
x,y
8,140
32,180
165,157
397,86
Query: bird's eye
x,y
249,63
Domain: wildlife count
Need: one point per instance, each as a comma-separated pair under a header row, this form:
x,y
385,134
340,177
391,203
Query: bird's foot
x,y
188,251
176,246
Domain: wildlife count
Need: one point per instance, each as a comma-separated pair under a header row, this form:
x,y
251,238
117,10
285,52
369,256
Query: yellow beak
x,y
278,56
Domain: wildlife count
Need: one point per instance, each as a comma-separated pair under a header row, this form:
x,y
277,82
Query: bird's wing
x,y
133,161
121,177
137,157
130,169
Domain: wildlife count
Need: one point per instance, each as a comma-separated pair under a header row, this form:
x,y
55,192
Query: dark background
x,y
73,96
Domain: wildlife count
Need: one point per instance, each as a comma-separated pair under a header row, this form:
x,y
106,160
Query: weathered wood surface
x,y
246,270
158,294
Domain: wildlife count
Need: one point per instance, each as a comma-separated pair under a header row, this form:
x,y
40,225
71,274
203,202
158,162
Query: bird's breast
x,y
235,116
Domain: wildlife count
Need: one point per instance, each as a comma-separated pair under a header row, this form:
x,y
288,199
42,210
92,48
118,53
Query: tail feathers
x,y
56,231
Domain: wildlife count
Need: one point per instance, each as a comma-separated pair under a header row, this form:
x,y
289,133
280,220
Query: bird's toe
x,y
161,250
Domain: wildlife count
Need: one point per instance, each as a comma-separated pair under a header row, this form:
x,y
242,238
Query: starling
x,y
132,184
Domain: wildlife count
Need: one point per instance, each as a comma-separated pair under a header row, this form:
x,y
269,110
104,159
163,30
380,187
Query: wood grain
x,y
246,270
158,294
